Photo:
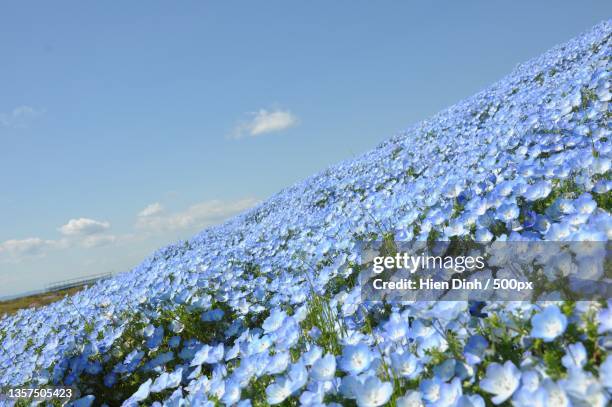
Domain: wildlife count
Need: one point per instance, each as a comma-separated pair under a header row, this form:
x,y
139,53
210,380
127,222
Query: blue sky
x,y
127,126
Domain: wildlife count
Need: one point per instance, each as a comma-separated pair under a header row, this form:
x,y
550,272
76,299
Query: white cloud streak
x,y
89,233
16,249
196,216
151,210
264,121
19,117
83,226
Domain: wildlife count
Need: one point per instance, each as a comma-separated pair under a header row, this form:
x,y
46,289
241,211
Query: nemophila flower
x,y
551,394
548,324
501,380
131,361
464,371
86,401
455,228
258,345
141,394
530,218
539,190
176,326
155,338
475,348
396,328
324,368
601,165
287,335
483,235
372,392
583,389
148,330
249,367
558,232
274,321
201,355
602,187
507,212
232,392
605,372
505,188
93,368
406,364
174,342
585,204
473,400
439,393
356,358
542,224
429,341
313,396
410,399
525,395
604,319
445,370
447,310
575,356
216,387
110,380
212,315
167,381
298,376
312,355
278,363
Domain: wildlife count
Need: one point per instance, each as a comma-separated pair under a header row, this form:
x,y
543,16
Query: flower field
x,y
266,309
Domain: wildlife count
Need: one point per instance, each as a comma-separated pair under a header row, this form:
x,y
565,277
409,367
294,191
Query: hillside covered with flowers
x,y
265,309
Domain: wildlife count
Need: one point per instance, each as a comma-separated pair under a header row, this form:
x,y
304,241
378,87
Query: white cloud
x,y
83,227
265,121
87,233
196,216
16,249
19,117
151,210
98,240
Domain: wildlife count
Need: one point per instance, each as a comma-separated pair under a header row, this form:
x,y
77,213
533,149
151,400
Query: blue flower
x,y
410,399
324,368
539,190
548,324
231,395
406,364
372,392
439,393
475,348
604,317
396,329
274,321
141,394
508,212
356,358
278,363
575,356
605,373
86,401
502,381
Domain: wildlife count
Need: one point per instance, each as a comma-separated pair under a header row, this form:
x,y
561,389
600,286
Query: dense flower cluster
x,y
265,309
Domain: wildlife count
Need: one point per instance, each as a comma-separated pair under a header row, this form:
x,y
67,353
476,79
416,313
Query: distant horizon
x,y
121,134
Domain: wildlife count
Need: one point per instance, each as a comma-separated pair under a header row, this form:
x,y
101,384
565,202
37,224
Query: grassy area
x,y
36,300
